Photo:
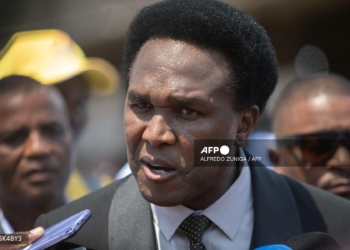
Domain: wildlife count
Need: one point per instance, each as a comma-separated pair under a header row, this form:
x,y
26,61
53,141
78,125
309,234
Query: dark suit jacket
x,y
283,208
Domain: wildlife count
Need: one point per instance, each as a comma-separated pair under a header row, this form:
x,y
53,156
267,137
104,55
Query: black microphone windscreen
x,y
313,241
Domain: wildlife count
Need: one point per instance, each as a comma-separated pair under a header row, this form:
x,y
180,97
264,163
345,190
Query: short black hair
x,y
18,84
215,25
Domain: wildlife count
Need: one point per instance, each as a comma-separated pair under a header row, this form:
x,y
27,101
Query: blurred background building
x,y
99,28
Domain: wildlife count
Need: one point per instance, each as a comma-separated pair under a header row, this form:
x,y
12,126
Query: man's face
x,y
321,113
174,97
76,92
35,146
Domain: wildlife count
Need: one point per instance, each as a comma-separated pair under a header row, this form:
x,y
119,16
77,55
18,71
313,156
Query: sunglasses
x,y
316,148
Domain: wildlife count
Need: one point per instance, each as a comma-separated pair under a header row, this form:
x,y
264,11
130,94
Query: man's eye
x,y
142,105
141,108
186,111
16,139
53,131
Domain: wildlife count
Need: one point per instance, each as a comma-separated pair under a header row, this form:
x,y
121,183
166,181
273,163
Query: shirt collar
x,y
227,212
169,219
5,225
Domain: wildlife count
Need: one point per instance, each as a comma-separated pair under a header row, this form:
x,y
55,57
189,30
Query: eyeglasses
x,y
316,148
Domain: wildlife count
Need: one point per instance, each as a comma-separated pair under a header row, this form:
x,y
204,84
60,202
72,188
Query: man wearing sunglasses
x,y
312,123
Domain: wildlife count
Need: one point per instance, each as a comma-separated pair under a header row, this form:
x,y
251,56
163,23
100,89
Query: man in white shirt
x,y
196,71
229,228
229,232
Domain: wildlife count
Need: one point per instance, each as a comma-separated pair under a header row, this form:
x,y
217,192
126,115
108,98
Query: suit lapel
x,y
130,219
276,217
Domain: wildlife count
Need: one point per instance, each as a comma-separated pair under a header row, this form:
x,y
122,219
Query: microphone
x,y
313,241
273,247
308,241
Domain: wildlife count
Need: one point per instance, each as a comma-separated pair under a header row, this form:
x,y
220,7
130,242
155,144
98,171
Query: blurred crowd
x,y
46,85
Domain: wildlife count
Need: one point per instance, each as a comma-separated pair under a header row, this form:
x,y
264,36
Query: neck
x,y
22,215
211,195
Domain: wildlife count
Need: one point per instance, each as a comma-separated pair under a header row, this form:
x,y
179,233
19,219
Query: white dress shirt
x,y
4,224
232,216
123,172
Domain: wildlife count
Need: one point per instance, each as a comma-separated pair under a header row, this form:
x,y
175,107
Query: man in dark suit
x,y
194,70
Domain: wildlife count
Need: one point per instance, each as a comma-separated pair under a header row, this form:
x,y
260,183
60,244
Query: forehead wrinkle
x,y
191,101
181,96
151,84
165,68
168,55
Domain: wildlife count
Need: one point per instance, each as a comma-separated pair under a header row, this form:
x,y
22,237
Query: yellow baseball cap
x,y
51,56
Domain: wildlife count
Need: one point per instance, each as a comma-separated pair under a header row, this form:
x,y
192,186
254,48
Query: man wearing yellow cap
x,y
51,57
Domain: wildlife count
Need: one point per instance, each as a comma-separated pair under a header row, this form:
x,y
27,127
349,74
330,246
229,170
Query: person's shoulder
x,y
322,198
302,190
334,210
99,202
333,206
96,200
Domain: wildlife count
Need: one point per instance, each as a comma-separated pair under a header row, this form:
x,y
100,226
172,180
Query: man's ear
x,y
248,119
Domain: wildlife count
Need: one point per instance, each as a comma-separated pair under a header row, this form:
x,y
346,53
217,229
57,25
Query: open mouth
x,y
158,172
160,169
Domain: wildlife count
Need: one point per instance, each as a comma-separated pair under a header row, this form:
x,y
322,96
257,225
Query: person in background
x,y
52,58
36,145
312,123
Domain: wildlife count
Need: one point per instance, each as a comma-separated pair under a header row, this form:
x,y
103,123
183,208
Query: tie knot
x,y
194,227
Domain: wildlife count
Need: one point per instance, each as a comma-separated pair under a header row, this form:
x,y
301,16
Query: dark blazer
x,y
283,208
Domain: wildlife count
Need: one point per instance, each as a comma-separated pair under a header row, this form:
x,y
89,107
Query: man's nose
x,y
340,160
36,145
158,132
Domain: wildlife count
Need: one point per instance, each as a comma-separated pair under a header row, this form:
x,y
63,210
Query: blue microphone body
x,y
274,247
